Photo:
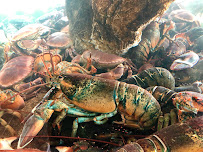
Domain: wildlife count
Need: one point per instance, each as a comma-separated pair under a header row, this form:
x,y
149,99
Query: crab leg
x,y
5,124
8,127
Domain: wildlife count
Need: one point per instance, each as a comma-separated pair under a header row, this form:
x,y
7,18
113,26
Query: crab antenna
x,y
24,91
46,67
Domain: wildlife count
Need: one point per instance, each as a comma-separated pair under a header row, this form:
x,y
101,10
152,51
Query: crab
x,y
191,35
15,71
59,42
29,47
44,62
31,33
105,61
184,20
9,107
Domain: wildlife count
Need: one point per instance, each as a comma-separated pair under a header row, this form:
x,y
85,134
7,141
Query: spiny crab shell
x,y
15,70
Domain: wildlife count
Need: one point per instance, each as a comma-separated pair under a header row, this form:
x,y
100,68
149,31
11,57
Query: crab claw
x,y
185,61
32,126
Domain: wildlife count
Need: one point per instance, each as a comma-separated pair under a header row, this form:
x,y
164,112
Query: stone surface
x,y
111,26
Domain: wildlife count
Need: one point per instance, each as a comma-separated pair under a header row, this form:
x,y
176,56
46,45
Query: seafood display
x,y
61,92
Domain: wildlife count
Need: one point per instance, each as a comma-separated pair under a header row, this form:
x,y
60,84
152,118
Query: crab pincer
x,y
185,61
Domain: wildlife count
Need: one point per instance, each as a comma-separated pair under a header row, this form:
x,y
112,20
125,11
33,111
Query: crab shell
x,y
99,59
65,29
29,44
15,70
15,103
59,40
43,63
31,32
181,15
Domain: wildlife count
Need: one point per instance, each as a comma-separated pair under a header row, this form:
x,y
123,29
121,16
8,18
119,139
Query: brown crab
x,y
26,39
191,35
106,61
59,40
184,20
16,70
31,32
9,106
44,62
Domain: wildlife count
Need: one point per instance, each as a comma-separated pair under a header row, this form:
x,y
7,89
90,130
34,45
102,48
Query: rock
x,y
111,26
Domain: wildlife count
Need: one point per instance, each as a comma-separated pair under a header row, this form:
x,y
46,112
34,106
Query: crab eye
x,y
60,77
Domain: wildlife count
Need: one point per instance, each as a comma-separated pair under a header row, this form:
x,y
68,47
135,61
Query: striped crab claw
x,y
187,60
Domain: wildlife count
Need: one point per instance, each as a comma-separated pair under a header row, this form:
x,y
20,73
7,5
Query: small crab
x,y
44,62
194,99
191,35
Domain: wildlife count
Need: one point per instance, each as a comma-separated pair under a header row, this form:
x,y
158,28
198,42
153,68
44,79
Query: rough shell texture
x,y
15,70
59,39
28,32
111,26
100,59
